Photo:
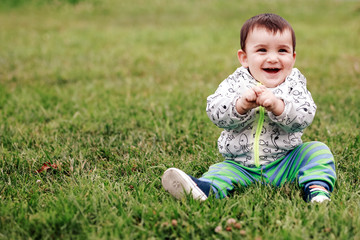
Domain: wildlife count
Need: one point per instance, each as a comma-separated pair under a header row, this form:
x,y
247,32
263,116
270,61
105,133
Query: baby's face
x,y
269,56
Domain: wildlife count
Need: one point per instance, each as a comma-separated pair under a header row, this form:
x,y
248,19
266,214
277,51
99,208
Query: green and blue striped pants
x,y
309,163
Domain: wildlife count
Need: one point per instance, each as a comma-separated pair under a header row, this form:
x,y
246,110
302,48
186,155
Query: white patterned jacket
x,y
259,137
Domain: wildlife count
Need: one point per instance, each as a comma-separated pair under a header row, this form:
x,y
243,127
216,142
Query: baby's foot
x,y
178,183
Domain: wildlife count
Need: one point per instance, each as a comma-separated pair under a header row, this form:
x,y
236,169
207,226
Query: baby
x,y
263,107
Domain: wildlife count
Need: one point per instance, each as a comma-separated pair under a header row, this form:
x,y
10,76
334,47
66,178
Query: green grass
x,y
114,93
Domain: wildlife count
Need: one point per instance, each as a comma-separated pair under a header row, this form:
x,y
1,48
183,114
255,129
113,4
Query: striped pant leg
x,y
318,167
309,163
224,176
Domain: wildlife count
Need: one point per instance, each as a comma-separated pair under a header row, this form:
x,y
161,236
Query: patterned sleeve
x,y
300,108
221,105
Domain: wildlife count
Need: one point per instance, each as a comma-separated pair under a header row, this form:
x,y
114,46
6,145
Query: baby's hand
x,y
268,100
246,102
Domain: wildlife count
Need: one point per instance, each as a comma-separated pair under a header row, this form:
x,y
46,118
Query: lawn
x,y
112,93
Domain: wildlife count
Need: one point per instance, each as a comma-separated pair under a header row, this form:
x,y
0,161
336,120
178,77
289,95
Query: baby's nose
x,y
272,57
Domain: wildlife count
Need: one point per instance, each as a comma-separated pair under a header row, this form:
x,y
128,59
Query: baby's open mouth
x,y
271,70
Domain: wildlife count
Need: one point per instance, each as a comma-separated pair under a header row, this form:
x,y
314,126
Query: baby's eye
x,y
283,50
261,50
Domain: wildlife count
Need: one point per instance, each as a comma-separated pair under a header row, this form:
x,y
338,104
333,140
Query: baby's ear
x,y
242,58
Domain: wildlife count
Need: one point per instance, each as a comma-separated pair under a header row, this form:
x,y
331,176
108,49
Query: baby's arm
x,y
299,108
222,105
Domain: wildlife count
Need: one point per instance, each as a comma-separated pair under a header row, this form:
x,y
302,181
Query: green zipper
x,y
257,136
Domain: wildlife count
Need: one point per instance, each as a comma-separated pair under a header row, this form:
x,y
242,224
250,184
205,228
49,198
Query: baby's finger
x,y
266,103
262,87
258,90
250,95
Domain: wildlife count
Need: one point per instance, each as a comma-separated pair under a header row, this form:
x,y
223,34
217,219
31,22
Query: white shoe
x,y
320,199
178,183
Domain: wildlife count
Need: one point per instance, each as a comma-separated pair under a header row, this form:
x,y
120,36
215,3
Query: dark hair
x,y
269,21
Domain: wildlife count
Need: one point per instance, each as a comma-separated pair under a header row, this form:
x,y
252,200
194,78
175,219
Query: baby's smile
x,y
271,70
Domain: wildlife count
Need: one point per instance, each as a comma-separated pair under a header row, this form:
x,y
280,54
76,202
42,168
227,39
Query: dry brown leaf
x,y
46,167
